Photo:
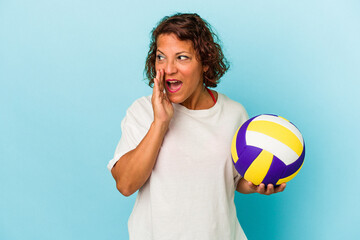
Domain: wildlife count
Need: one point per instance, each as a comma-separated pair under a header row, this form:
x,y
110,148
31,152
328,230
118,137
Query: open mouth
x,y
173,85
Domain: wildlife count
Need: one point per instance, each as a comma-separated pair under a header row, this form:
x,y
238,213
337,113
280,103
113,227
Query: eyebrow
x,y
176,53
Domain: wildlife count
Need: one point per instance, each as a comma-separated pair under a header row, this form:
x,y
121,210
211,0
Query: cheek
x,y
159,66
194,74
189,72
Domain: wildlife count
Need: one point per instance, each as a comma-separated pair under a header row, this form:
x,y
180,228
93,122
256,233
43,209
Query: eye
x,y
183,57
159,57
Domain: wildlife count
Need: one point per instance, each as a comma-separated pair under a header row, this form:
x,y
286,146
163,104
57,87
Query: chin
x,y
175,99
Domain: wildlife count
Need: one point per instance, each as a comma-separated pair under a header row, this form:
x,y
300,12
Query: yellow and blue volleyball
x,y
268,149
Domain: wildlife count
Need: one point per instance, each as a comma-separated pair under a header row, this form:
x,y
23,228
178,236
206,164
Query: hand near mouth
x,y
162,107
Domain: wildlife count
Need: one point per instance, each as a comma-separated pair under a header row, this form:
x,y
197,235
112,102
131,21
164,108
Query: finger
x,y
280,188
261,188
163,83
157,95
156,83
161,80
269,189
155,88
157,74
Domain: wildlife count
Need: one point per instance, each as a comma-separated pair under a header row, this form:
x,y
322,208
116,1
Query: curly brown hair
x,y
205,42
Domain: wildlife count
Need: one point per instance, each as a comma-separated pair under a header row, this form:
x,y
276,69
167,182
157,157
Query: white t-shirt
x,y
190,192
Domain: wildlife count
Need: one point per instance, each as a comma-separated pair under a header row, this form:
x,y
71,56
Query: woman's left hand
x,y
247,187
266,190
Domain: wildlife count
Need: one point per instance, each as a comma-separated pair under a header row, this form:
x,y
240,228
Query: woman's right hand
x,y
134,168
162,107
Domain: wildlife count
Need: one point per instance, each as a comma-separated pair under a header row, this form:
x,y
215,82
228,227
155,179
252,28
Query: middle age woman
x,y
175,144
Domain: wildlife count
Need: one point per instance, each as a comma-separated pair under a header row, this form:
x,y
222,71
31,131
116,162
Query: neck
x,y
201,99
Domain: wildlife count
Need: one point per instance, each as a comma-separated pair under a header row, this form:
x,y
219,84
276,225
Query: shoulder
x,y
143,102
231,104
140,110
140,105
234,111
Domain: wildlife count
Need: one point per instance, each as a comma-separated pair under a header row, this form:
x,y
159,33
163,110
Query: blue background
x,y
70,69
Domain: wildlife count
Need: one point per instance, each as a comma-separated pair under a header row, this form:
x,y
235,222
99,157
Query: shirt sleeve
x,y
237,177
134,127
243,118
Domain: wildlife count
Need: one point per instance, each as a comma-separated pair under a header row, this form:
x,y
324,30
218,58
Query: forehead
x,y
170,42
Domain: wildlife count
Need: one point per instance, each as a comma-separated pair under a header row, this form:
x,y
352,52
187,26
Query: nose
x,y
170,68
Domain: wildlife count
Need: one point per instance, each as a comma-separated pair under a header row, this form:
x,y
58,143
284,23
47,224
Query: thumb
x,y
252,186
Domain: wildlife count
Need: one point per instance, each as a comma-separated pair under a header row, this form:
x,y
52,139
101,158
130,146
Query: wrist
x,y
161,126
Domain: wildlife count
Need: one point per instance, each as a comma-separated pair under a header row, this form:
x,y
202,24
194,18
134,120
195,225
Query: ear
x,y
205,68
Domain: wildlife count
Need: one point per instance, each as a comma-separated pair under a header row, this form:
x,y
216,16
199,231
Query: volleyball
x,y
268,149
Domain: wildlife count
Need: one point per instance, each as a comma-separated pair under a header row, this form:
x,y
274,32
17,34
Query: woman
x,y
175,144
